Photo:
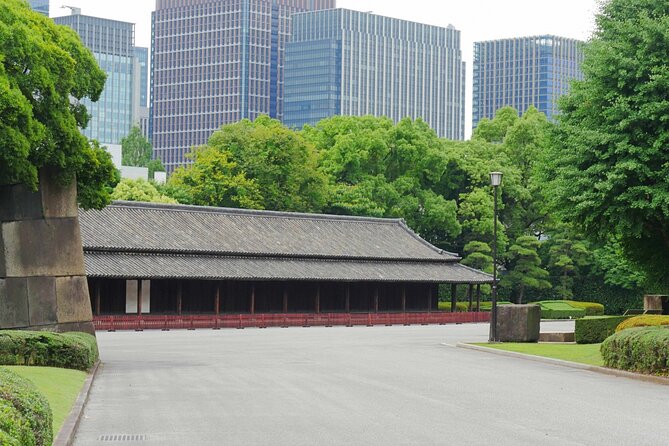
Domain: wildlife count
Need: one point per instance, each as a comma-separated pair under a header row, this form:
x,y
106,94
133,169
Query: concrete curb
x,y
66,435
574,365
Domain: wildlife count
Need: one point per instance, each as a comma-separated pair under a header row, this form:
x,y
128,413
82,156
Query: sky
x,y
476,19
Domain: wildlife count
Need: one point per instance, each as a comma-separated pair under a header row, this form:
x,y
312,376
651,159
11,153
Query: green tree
x,y
567,256
478,255
140,190
607,170
377,168
45,72
279,161
136,150
525,271
213,180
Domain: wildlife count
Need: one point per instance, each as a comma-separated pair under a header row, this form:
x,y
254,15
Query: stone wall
x,y
42,277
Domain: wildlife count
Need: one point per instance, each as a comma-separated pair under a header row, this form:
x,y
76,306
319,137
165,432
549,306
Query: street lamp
x,y
495,181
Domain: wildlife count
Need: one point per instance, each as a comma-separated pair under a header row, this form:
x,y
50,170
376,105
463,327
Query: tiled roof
x,y
160,266
143,227
155,241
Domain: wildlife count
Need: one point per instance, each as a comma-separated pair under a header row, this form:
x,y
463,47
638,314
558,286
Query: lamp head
x,y
495,178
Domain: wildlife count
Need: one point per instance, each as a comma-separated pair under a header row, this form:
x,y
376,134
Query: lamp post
x,y
495,181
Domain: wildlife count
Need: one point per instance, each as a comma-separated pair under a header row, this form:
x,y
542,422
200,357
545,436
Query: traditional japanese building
x,y
152,260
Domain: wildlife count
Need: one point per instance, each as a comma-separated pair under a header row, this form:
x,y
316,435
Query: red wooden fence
x,y
192,322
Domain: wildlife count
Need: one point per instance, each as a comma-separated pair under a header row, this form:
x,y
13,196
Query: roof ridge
x,y
250,212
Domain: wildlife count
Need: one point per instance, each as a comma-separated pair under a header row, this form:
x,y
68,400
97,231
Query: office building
x,y
343,62
216,62
112,44
524,71
141,91
41,6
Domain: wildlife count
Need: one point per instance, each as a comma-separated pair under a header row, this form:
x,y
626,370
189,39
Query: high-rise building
x,y
343,62
215,62
141,91
112,44
524,71
41,6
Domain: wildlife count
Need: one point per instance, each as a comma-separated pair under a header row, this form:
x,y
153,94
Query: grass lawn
x,y
60,386
582,353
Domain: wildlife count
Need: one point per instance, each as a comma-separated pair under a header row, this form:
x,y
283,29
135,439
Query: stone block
x,y
518,323
42,300
557,337
72,301
58,201
19,203
3,269
14,303
43,248
655,302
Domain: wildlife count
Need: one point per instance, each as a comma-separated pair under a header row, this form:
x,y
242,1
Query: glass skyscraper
x,y
522,72
216,62
112,44
41,6
343,62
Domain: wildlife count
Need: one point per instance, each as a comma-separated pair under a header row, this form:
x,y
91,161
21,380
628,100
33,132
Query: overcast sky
x,y
476,19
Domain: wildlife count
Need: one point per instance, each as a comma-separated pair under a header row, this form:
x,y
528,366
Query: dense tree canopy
x,y
45,72
140,190
607,168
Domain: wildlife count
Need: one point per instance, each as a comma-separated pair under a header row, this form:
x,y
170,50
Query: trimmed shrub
x,y
64,350
14,428
646,320
642,349
559,309
459,306
32,408
591,308
593,330
487,305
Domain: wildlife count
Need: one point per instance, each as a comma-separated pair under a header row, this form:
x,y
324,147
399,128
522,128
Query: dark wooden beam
x,y
454,297
97,297
404,298
179,296
470,295
252,299
347,304
139,297
217,299
285,298
317,303
478,298
376,298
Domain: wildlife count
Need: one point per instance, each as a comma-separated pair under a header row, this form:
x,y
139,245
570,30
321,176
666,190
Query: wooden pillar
x,y
97,297
376,298
317,302
478,298
285,298
429,299
404,298
347,304
217,299
139,297
454,297
252,299
470,295
230,301
179,296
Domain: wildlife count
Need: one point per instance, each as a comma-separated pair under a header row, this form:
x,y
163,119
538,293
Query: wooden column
x,y
376,298
347,304
317,302
470,295
217,299
252,299
478,298
429,299
454,297
179,296
139,297
97,298
285,298
404,298
230,300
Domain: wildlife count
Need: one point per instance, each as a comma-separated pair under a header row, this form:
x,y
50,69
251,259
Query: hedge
x,y
559,309
459,306
23,408
642,349
646,320
487,305
591,308
64,350
593,330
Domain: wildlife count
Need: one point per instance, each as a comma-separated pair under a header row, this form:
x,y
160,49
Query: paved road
x,y
356,386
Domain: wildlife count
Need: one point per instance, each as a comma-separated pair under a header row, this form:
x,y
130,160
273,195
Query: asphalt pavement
x,y
355,386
